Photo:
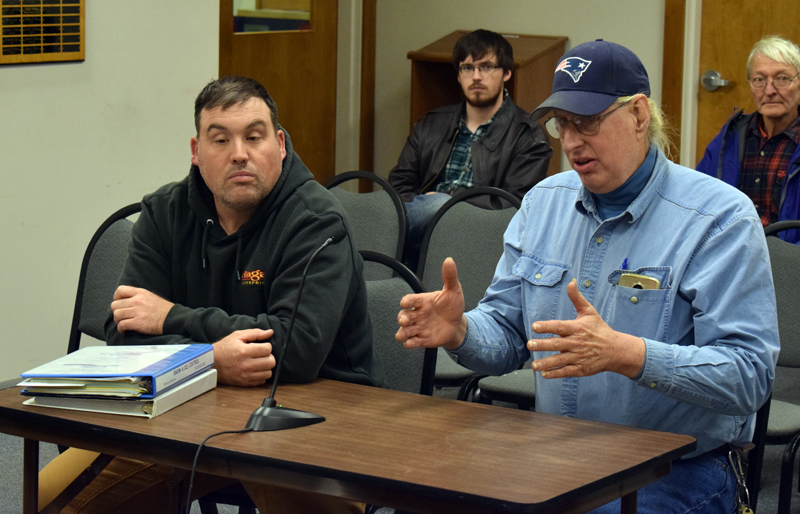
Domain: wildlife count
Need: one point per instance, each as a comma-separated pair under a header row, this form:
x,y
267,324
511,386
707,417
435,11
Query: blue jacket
x,y
723,159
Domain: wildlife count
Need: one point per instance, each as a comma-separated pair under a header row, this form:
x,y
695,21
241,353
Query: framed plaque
x,y
42,31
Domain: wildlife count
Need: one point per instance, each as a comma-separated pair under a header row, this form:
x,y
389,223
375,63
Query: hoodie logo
x,y
575,66
253,278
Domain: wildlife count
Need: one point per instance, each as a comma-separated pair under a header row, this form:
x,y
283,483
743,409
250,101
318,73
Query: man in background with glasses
x,y
641,288
759,152
486,140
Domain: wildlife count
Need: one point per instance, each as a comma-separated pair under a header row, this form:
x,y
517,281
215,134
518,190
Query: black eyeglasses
x,y
780,82
586,125
469,69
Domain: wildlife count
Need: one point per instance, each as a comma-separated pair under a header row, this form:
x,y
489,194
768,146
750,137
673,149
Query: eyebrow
x,y
252,125
479,63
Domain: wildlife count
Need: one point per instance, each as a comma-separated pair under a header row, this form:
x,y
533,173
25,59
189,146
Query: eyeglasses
x,y
469,69
780,82
586,125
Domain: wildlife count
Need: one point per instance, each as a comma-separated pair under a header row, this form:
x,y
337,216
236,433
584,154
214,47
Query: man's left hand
x,y
139,310
586,345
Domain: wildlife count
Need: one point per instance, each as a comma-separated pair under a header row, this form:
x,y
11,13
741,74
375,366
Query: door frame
x,y
681,76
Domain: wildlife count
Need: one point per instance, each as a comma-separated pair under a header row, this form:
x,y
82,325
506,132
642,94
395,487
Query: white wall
x,y
83,139
405,25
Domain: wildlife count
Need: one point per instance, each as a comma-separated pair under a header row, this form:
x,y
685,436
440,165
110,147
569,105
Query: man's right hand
x,y
243,358
430,320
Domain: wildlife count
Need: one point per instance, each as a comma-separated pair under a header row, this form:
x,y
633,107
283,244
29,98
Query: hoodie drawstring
x,y
238,255
204,249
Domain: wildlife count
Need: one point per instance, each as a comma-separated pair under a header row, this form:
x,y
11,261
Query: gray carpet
x,y
11,475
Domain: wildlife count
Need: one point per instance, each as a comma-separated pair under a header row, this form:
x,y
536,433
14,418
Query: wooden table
x,y
418,453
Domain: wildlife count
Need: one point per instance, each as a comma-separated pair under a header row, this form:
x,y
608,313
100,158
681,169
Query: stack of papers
x,y
148,408
133,380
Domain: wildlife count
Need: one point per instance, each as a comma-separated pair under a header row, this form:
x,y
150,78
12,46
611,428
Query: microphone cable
x,y
197,455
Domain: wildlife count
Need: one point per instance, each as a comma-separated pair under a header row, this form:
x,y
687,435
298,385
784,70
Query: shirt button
x,y
587,283
758,180
762,153
634,299
538,275
653,385
600,240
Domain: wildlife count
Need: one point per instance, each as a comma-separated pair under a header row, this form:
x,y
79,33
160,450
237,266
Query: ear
x,y
506,76
282,142
195,159
641,113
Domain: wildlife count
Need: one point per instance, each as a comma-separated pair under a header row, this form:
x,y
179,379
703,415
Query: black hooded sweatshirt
x,y
250,279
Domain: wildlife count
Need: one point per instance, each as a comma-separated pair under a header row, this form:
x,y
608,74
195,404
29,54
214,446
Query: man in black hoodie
x,y
218,258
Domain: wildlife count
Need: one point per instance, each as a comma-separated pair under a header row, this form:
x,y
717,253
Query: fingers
x,y
244,358
409,336
564,328
124,292
450,274
413,301
122,316
254,335
583,307
556,327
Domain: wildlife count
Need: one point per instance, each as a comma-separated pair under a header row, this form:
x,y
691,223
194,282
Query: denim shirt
x,y
710,329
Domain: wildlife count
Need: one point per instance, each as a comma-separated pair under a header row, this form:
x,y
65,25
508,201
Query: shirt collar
x,y
792,131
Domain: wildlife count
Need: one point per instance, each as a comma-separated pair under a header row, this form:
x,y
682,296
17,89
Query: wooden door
x,y
298,68
729,29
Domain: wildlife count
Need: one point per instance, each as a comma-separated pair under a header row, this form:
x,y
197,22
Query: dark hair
x,y
479,43
232,90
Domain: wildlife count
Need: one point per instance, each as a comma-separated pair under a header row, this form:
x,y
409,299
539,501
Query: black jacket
x,y
250,279
512,155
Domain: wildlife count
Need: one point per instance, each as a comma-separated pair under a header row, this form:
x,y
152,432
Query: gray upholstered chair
x,y
473,237
102,264
782,412
100,270
377,218
517,387
405,370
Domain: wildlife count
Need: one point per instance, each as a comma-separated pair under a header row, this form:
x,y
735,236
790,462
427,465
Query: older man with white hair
x,y
641,288
759,152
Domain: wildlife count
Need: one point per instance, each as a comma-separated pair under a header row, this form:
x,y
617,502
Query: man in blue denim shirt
x,y
642,288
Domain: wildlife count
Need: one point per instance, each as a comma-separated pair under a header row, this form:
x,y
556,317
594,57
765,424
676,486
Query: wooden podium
x,y
434,82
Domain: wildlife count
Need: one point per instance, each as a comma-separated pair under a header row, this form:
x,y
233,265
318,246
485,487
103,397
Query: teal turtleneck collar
x,y
614,203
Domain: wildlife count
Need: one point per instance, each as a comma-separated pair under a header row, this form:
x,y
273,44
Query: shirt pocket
x,y
541,285
640,312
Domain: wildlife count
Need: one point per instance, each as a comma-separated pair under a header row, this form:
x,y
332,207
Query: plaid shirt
x,y
764,166
458,169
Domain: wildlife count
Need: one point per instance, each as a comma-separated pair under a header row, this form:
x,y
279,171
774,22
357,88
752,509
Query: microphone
x,y
271,416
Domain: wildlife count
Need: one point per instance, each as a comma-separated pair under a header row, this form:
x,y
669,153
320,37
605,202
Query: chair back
x,y
785,261
472,236
102,265
377,219
410,370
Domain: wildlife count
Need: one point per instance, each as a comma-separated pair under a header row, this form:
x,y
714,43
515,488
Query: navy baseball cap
x,y
591,76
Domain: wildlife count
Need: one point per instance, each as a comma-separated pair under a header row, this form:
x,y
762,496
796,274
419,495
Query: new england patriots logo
x,y
575,66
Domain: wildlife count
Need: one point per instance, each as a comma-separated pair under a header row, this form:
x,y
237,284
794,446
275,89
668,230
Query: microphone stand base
x,y
280,418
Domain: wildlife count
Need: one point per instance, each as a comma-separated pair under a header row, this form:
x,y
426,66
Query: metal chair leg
x,y
787,472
